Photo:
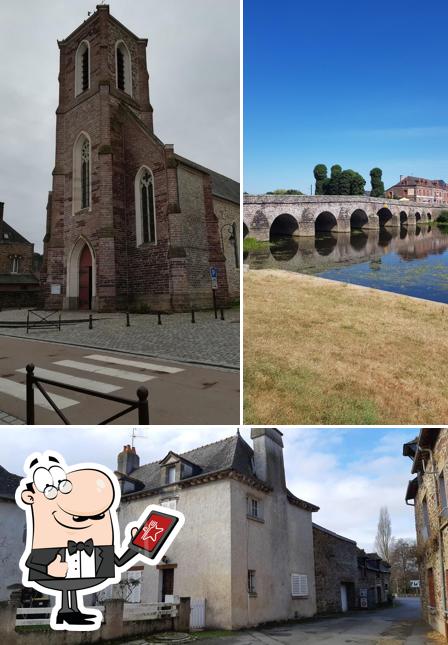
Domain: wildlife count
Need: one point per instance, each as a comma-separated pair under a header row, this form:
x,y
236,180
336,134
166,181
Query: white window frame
x,y
83,45
254,508
120,44
299,585
139,210
136,593
169,502
15,264
76,174
170,470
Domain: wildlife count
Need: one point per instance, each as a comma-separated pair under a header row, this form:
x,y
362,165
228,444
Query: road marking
x,y
97,386
106,371
128,363
18,391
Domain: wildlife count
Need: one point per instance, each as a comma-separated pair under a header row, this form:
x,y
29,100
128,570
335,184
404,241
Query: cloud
x,y
193,60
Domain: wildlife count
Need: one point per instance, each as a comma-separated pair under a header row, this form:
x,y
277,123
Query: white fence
x,y
131,612
197,613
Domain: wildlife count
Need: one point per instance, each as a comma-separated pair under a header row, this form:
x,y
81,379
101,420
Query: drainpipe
x,y
440,529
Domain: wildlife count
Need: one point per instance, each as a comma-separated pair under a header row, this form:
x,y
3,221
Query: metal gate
x,y
197,613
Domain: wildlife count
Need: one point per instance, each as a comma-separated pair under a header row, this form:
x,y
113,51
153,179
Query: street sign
x,y
214,277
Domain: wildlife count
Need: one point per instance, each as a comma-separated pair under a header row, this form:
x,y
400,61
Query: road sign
x,y
214,277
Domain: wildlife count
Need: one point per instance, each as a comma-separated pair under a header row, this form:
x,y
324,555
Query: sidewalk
x,y
207,341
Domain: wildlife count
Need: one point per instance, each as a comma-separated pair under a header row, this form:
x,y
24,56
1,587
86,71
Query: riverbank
x,y
318,351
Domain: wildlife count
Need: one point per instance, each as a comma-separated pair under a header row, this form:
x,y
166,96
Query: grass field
x,y
324,352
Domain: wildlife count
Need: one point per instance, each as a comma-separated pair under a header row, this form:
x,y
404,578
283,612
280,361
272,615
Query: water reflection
x,y
367,257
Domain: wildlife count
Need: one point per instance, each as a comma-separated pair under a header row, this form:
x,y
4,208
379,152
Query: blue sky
x,y
349,473
356,83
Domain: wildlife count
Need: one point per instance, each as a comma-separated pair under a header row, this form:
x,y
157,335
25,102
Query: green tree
x,y
320,175
376,182
332,187
284,191
357,184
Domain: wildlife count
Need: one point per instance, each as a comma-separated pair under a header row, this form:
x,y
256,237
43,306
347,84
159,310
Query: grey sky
x,y
193,59
348,492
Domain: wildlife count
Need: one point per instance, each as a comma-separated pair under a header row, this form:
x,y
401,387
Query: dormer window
x,y
171,474
82,68
123,68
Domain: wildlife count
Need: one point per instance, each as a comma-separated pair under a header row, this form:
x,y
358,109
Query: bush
x,y
443,217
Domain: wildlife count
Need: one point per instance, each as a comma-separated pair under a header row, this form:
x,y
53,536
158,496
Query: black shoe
x,y
74,618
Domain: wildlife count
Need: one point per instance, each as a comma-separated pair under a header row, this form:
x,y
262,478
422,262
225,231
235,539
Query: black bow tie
x,y
86,546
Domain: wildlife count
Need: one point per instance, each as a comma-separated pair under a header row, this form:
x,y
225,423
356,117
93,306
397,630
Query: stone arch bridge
x,y
302,215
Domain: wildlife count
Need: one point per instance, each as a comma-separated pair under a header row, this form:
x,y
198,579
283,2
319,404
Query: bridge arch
x,y
384,216
358,218
403,217
284,224
325,221
428,215
418,216
245,230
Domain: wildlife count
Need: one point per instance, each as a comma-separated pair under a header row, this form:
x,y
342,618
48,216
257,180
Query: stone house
x,y
12,537
419,189
427,493
247,544
346,576
19,286
373,580
130,224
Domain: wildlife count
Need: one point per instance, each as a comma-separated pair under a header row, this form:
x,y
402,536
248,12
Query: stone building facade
x,y
130,224
19,286
12,538
346,576
419,189
247,544
427,493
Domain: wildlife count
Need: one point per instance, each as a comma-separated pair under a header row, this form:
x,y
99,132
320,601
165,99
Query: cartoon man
x,y
73,535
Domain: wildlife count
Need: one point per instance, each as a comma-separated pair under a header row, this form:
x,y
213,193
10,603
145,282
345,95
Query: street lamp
x,y
232,239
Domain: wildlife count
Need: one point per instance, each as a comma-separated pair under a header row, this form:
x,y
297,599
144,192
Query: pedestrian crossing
x,y
116,369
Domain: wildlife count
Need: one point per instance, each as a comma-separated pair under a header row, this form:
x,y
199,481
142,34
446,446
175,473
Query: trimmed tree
x,y
320,175
376,182
332,187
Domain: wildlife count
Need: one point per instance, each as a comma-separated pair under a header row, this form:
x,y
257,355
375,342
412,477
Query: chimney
x,y
128,460
401,178
268,457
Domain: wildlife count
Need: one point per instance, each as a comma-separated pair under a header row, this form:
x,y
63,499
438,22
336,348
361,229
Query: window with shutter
x,y
299,585
134,582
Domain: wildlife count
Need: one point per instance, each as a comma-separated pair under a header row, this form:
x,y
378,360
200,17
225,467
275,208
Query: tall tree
x,y
384,534
320,175
376,182
332,186
404,567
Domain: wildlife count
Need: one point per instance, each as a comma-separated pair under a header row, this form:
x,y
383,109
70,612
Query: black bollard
x,y
192,316
159,318
222,313
128,324
90,321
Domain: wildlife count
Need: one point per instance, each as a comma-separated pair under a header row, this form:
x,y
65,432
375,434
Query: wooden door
x,y
85,279
167,583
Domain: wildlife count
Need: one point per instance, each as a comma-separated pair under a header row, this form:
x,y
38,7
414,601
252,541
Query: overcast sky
x,y
193,58
348,473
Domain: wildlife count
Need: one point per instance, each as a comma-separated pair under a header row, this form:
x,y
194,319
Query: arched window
x,y
82,68
145,207
81,173
123,70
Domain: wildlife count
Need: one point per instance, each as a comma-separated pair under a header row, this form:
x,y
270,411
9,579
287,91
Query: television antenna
x,y
135,436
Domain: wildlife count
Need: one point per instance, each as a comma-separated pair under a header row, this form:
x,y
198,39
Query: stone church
x,y
130,224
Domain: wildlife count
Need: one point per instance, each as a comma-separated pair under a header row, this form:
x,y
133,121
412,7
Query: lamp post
x,y
232,239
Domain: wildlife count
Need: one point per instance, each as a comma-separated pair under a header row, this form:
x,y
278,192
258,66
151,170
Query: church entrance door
x,y
85,279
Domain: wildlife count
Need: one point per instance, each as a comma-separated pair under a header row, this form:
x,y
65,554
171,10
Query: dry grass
x,y
323,352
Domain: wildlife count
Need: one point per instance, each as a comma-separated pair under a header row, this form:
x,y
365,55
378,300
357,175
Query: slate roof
x,y
222,186
229,454
336,535
8,484
12,236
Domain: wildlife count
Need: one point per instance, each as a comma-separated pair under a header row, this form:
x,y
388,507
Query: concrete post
x,y
182,622
113,619
8,610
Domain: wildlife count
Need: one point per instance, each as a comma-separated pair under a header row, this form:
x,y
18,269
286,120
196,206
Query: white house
x,y
247,544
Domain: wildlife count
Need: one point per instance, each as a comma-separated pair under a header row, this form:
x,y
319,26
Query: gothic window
x,y
82,68
81,173
123,68
145,207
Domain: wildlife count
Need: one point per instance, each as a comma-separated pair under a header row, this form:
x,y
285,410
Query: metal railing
x,y
33,381
44,319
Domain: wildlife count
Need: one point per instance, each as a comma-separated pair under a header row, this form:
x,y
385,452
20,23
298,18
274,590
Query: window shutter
x,y
299,585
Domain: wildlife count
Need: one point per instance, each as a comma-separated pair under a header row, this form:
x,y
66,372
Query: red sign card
x,y
153,533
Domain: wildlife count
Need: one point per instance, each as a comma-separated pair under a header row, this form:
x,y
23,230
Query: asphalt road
x,y
399,625
179,393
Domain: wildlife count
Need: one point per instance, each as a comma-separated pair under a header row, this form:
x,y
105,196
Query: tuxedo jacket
x,y
105,561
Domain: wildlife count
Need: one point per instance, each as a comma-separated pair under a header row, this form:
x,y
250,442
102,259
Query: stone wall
x,y
336,563
228,213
